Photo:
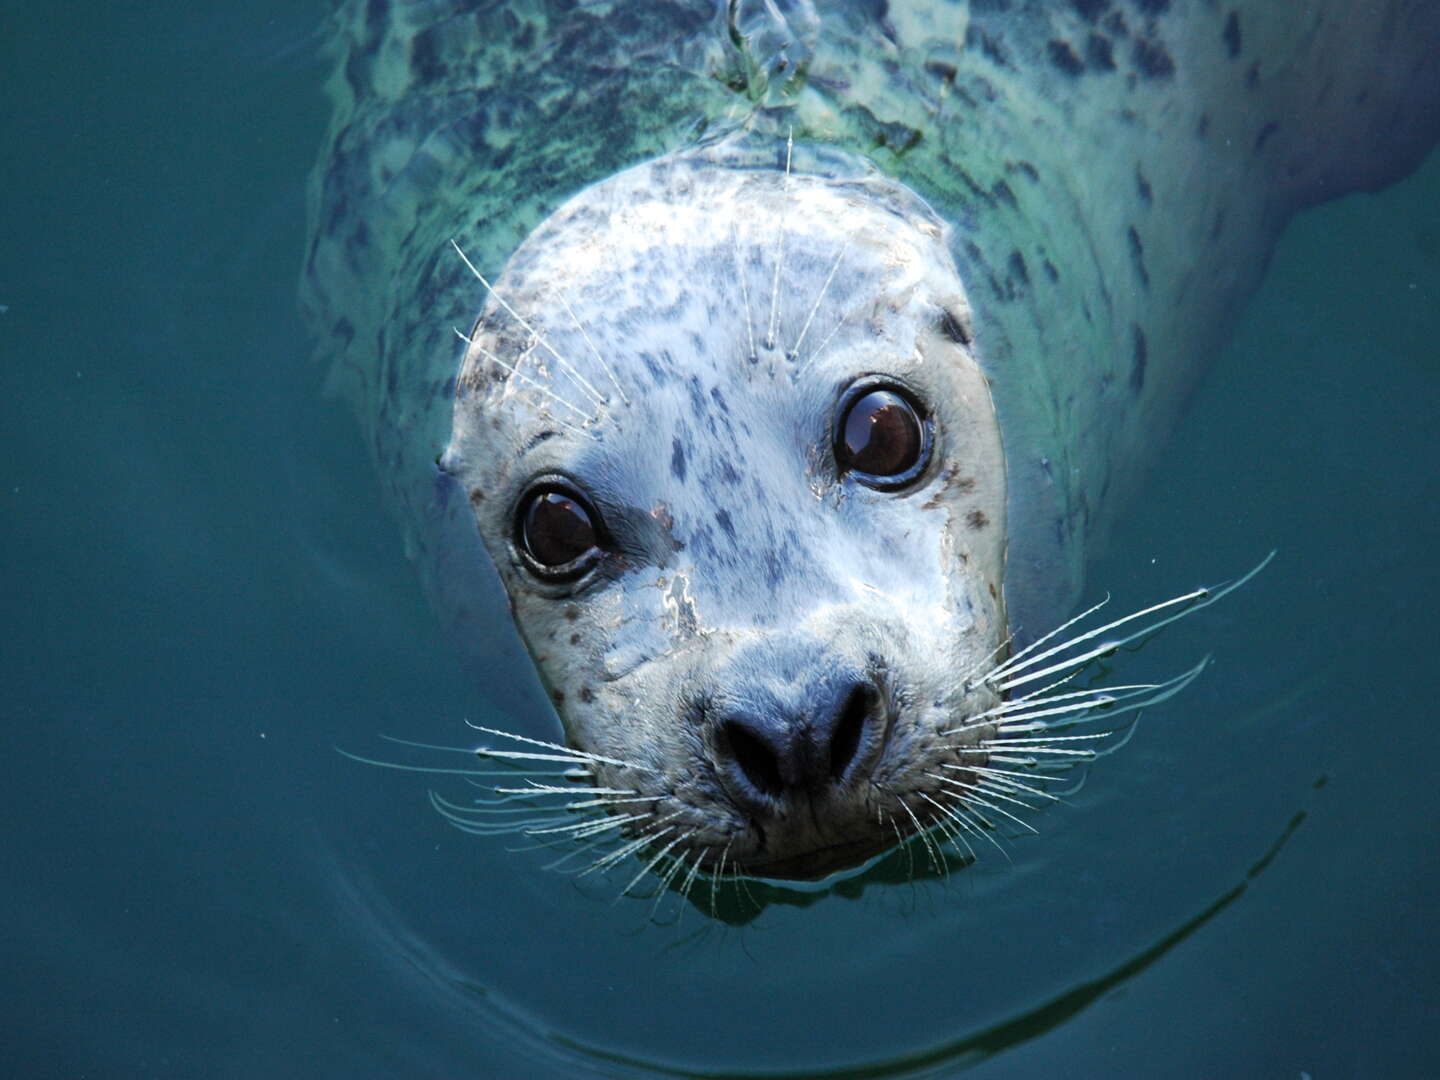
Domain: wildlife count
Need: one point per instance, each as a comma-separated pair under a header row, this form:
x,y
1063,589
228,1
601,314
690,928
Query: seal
x,y
823,354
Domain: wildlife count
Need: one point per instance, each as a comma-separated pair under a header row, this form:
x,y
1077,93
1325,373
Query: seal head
x,y
728,447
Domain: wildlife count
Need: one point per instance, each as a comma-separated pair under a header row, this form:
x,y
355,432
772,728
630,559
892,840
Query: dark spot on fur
x,y
1153,7
1137,256
557,696
425,57
1115,24
587,695
1017,269
1090,10
1263,135
722,518
1062,55
976,519
476,498
1050,271
989,44
1152,59
1231,35
1202,126
572,613
719,399
677,460
1142,185
965,484
1029,171
945,72
574,639
1004,194
953,328
1252,76
1099,53
1139,358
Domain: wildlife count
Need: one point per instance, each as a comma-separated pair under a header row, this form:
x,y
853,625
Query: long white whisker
x,y
532,788
590,828
795,349
599,359
652,863
565,365
1010,664
429,769
923,832
946,813
533,384
566,753
984,829
780,247
741,273
1189,602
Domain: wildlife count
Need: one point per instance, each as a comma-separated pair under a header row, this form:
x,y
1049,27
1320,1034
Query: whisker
x,y
652,864
592,827
569,368
962,826
1010,664
1004,776
1007,679
922,832
819,350
741,273
795,349
604,364
780,247
984,829
434,770
625,849
689,881
566,753
972,797
536,386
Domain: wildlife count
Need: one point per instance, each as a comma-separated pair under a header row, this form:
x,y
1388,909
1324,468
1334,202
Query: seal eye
x,y
557,533
883,438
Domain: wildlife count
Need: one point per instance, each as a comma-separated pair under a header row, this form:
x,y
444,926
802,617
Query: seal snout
x,y
784,733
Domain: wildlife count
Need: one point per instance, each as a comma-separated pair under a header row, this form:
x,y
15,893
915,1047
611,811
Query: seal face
x,y
741,476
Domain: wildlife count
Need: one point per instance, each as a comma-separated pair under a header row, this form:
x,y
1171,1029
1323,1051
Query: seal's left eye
x,y
882,437
558,533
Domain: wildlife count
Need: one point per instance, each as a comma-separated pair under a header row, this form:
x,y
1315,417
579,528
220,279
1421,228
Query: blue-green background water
x,y
203,596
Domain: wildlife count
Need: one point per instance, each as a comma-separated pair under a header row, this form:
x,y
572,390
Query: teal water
x,y
204,598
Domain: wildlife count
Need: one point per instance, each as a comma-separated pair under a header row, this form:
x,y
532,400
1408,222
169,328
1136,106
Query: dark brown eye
x,y
882,438
558,532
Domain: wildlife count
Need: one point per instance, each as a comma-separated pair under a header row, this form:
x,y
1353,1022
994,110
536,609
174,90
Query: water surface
x,y
204,597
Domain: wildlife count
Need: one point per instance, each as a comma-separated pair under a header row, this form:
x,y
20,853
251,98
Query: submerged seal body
x,y
825,346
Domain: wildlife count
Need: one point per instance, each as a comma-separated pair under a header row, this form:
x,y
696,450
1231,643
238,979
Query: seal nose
x,y
774,750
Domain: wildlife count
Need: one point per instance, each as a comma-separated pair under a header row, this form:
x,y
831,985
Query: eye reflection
x,y
882,438
558,532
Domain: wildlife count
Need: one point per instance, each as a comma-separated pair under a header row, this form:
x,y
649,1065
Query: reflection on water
x,y
205,598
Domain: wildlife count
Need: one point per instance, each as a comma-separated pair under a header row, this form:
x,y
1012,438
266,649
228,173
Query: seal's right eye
x,y
557,533
883,436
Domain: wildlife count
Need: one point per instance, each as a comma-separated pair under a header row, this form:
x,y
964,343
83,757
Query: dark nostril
x,y
755,759
849,726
